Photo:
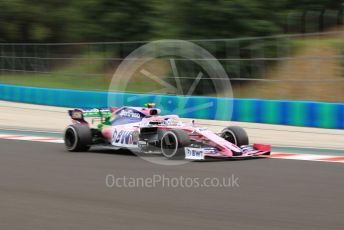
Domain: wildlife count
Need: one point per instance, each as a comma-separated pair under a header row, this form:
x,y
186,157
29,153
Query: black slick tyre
x,y
78,138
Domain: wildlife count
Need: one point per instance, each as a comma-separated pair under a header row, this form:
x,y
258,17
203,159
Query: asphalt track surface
x,y
44,187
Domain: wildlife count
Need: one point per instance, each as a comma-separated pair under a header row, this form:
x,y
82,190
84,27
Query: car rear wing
x,y
79,115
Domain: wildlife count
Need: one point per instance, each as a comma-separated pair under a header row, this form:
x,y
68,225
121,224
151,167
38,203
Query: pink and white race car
x,y
143,130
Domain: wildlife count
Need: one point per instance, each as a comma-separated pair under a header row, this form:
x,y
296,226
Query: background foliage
x,y
119,20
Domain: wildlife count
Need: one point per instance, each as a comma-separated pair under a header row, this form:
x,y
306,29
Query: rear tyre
x,y
173,143
236,135
78,138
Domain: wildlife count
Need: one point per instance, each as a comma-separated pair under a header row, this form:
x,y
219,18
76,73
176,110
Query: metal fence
x,y
297,66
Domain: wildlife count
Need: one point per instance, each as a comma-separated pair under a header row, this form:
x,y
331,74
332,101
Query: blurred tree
x,y
111,20
217,18
33,21
309,4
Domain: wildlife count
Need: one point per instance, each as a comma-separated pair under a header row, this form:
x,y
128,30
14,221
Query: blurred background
x,y
283,49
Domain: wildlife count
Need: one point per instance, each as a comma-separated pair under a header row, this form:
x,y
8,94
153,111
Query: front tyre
x,y
236,135
78,138
173,143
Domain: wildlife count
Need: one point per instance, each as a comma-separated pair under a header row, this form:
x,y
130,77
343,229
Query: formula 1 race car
x,y
143,130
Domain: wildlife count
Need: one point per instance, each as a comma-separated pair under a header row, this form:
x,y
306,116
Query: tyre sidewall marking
x,y
76,137
177,144
232,133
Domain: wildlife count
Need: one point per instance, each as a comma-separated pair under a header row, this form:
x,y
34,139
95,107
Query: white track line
x,y
31,138
307,157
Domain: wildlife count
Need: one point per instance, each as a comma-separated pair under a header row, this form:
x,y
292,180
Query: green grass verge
x,y
340,47
57,80
85,72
